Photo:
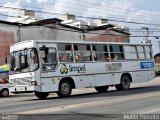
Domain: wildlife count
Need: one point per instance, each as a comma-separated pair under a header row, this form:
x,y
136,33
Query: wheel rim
x,y
5,93
65,88
126,82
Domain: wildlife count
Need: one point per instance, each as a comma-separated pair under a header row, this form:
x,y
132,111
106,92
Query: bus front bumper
x,y
24,89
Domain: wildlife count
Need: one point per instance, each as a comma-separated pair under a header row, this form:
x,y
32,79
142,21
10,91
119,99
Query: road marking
x,y
87,104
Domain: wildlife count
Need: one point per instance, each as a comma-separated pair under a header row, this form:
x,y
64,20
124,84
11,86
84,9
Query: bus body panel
x,y
84,74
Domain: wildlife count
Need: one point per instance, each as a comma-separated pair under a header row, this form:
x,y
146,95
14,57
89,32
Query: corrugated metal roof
x,y
46,21
56,21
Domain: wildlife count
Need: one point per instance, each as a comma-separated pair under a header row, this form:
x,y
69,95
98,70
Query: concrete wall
x,y
8,36
46,33
109,36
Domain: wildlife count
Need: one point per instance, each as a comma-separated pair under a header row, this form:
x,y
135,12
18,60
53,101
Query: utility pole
x,y
19,32
147,34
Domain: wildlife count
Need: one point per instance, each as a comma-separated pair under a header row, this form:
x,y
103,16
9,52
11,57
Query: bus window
x,y
82,53
116,52
101,52
65,52
130,52
17,65
63,57
24,60
148,52
48,58
141,53
33,58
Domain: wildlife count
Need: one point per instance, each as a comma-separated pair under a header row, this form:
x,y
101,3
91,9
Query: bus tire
x,y
102,89
4,92
125,83
41,95
65,89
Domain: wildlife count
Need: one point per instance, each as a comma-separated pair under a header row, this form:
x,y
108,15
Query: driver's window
x,y
48,58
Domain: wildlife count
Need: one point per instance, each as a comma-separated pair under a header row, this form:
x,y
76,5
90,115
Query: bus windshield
x,y
24,60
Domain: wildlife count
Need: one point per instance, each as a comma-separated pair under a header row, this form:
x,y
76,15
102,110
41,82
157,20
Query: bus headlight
x,y
33,82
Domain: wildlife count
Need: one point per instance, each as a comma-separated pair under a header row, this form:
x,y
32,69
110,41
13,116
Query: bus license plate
x,y
21,89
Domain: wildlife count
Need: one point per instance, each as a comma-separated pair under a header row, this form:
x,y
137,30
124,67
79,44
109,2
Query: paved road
x,y
142,98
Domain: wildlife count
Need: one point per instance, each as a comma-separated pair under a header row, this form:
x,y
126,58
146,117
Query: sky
x,y
134,14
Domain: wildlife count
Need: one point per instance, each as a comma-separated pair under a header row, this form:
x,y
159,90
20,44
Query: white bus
x,y
49,66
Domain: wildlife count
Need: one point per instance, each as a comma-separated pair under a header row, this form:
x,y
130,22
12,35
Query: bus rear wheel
x,y
65,89
125,83
102,89
41,95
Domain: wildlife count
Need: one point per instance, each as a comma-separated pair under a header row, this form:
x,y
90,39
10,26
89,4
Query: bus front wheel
x,y
4,92
65,89
125,83
102,89
41,95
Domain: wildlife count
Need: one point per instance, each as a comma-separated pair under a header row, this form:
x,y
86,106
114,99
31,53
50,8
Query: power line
x,y
142,23
61,0
104,8
142,31
95,32
62,11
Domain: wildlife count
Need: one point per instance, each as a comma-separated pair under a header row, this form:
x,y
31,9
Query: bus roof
x,y
78,42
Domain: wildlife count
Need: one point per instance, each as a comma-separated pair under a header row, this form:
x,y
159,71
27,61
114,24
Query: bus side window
x,y
63,58
101,52
82,52
116,52
65,52
48,58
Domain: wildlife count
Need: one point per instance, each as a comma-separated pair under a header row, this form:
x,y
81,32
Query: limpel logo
x,y
64,69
